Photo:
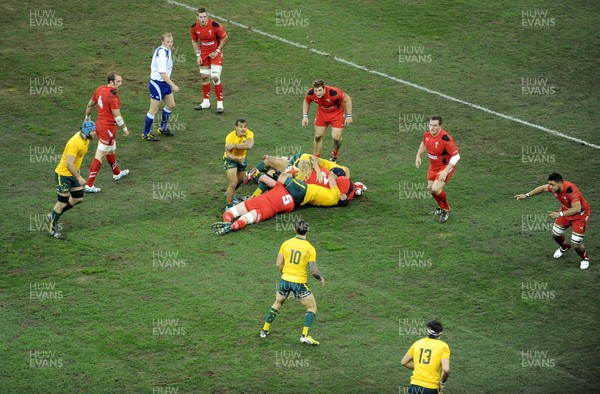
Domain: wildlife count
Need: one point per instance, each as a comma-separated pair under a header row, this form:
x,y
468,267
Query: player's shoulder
x,y
231,134
194,25
215,24
333,91
445,136
310,92
570,187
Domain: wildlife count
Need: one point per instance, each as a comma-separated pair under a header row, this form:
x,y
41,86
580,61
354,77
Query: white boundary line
x,y
407,83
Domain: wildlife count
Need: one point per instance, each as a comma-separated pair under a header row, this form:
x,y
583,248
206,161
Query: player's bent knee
x,y
62,199
77,194
248,217
318,138
557,230
577,239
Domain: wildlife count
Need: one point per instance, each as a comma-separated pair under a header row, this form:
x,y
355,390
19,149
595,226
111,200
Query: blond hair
x,y
304,169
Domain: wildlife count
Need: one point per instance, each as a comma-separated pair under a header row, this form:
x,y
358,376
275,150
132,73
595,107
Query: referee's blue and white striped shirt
x,y
162,61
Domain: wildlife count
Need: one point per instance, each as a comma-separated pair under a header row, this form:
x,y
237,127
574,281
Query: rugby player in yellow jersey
x,y
237,144
281,164
430,359
69,182
295,255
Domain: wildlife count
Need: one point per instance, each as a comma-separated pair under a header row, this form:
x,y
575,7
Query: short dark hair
x,y
202,10
436,117
556,177
301,227
318,83
240,120
111,77
434,328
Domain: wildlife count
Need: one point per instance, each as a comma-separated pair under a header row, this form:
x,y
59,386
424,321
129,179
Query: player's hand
x,y
441,388
81,181
229,147
442,176
175,88
199,61
347,122
125,133
304,122
320,177
553,215
213,55
520,197
322,282
418,162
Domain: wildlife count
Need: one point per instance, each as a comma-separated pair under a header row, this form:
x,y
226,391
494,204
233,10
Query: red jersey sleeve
x,y
115,101
220,31
309,96
193,32
450,146
339,95
573,195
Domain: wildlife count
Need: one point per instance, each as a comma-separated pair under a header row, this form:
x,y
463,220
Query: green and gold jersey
x,y
76,147
297,253
427,354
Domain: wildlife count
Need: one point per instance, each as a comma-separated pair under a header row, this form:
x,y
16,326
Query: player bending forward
x,y
574,212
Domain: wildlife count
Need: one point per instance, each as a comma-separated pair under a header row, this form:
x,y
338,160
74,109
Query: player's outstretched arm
x,y
537,190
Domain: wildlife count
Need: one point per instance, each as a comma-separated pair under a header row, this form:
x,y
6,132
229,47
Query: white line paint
x,y
395,79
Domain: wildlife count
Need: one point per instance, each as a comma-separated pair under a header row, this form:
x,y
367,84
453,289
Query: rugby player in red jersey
x,y
208,39
574,212
109,117
256,209
334,107
443,156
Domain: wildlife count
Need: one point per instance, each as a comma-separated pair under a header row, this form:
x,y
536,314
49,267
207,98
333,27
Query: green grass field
x,y
141,297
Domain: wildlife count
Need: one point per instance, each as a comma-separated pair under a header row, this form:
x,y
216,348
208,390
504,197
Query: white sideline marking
x,y
384,75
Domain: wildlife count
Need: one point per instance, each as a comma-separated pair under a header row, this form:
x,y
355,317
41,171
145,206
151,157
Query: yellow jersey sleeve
x,y
232,138
76,147
321,196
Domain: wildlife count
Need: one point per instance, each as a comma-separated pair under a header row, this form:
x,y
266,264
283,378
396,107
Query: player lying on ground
x,y
256,209
283,163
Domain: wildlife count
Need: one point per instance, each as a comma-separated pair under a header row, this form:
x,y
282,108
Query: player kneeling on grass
x,y
574,212
295,255
69,182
